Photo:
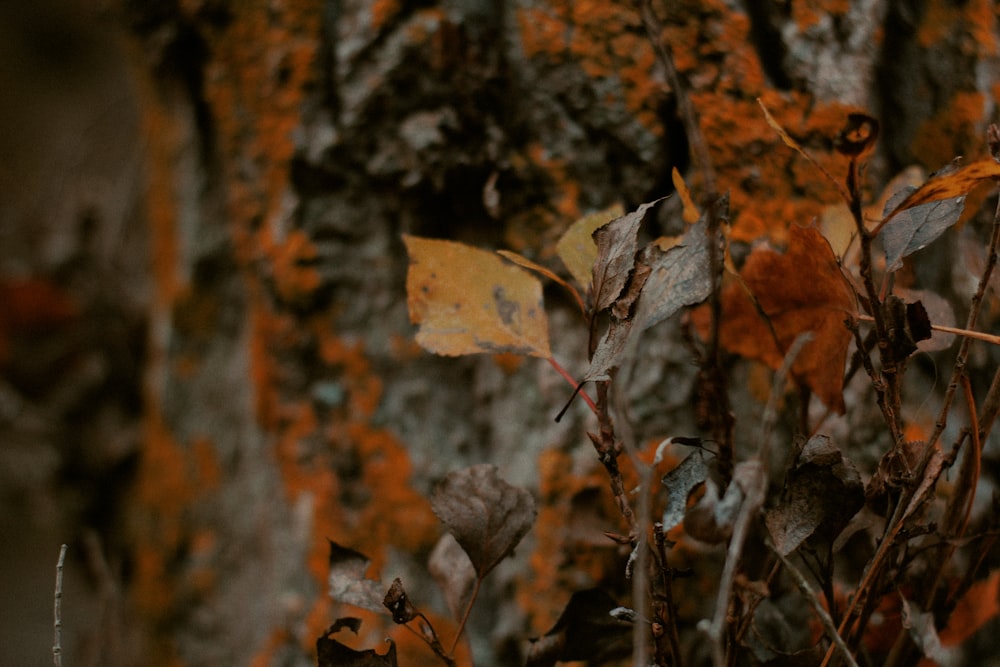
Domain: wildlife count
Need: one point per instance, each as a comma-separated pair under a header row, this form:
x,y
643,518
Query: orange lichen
x,y
384,11
291,260
970,22
542,32
953,131
564,560
811,12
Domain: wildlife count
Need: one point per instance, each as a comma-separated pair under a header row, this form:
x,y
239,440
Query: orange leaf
x,y
470,301
979,604
800,290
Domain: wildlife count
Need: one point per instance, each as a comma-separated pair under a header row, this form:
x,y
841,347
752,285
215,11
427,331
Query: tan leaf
x,y
577,249
470,301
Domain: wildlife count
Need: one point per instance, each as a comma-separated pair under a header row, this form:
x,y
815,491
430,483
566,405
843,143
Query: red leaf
x,y
800,290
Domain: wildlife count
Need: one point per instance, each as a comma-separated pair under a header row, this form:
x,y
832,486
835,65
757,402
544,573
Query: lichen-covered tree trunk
x,y
289,144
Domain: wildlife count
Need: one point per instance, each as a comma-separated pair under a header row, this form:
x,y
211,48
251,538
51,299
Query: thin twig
x,y
57,625
668,594
978,335
689,117
577,387
828,626
963,353
465,615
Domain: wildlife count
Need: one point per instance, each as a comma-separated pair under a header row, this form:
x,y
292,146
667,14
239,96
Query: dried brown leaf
x,y
487,516
679,276
663,280
616,247
822,493
469,301
331,653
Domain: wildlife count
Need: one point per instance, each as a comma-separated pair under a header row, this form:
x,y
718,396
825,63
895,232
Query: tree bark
x,y
288,147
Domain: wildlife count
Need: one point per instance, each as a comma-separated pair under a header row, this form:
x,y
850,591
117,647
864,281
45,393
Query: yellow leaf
x,y
577,249
523,261
470,301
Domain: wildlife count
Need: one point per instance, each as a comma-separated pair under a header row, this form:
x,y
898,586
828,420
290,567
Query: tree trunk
x,y
288,145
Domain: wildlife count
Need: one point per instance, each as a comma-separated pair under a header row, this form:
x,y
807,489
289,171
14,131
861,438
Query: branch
x,y
810,594
57,625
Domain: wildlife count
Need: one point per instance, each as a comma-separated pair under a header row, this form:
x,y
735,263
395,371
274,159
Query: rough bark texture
x,y
261,359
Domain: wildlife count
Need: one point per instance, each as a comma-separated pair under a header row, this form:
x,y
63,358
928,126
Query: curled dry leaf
x,y
822,493
487,516
469,301
616,246
576,247
665,277
586,630
398,603
799,290
331,653
939,312
680,482
858,135
348,582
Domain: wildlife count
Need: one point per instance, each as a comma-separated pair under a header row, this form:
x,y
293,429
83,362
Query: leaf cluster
x,y
815,316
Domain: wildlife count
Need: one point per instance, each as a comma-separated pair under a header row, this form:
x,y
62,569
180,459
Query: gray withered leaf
x,y
348,582
663,281
913,228
331,653
453,572
680,482
487,516
823,491
616,246
679,276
